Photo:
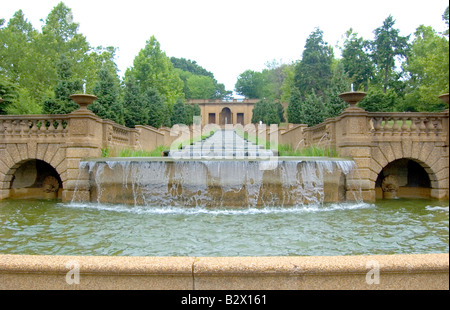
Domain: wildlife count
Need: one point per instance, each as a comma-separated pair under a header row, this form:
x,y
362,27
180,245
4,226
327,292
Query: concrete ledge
x,y
422,271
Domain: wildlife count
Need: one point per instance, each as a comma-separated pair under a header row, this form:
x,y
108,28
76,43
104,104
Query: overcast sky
x,y
228,37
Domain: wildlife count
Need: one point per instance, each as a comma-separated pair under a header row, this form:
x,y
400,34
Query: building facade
x,y
222,112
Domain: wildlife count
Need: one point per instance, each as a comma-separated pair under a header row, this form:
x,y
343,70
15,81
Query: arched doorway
x,y
226,116
403,178
35,179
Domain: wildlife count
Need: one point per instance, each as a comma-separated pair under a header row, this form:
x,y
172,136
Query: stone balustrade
x,y
32,126
406,124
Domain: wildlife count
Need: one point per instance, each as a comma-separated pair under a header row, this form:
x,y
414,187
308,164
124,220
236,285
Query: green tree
x,y
66,86
313,109
20,61
60,37
356,60
153,69
158,111
280,111
266,111
201,87
380,101
24,104
187,68
288,83
108,106
179,115
191,111
387,47
190,66
428,67
135,110
313,72
294,110
339,83
8,92
250,84
445,18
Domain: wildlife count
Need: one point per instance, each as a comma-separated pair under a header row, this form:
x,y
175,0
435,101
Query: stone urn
x,y
352,98
83,100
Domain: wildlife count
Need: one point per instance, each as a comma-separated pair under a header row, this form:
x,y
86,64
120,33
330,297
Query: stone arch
x,y
405,177
225,116
431,158
34,178
15,155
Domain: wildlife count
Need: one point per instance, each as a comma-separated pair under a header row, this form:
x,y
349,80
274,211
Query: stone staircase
x,y
223,144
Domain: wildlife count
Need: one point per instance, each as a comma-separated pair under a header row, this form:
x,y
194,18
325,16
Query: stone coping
x,y
409,271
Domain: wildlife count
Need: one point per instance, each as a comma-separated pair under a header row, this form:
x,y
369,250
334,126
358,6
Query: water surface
x,y
387,227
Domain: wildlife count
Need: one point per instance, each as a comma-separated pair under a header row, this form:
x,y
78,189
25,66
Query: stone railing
x,y
33,126
322,134
406,124
382,126
118,135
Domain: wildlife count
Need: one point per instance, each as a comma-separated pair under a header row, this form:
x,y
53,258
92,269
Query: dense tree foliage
x,y
399,73
40,69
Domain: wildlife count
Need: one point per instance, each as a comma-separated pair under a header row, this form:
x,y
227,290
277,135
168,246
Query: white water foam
x,y
188,184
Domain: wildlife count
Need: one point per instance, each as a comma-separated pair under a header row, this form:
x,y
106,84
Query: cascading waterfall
x,y
225,170
217,183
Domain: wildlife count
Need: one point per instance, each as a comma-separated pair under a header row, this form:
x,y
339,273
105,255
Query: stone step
x,y
223,143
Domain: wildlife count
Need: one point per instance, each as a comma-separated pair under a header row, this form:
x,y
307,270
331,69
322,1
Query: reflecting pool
x,y
49,227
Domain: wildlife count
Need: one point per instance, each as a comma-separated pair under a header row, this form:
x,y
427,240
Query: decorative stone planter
x,y
352,98
83,100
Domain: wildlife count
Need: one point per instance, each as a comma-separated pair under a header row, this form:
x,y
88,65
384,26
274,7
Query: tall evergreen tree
x,y
158,111
388,46
313,109
339,83
179,115
106,89
313,72
66,86
356,60
135,110
294,111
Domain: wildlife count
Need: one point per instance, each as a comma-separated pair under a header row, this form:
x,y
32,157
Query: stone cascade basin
x,y
224,170
217,182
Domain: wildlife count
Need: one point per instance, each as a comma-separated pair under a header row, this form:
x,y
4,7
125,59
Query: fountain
x,y
224,170
190,221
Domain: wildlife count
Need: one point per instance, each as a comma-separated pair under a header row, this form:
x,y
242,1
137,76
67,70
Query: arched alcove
x,y
35,179
226,116
403,178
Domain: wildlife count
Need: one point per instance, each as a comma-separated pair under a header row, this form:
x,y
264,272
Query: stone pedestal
x,y
353,140
85,136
